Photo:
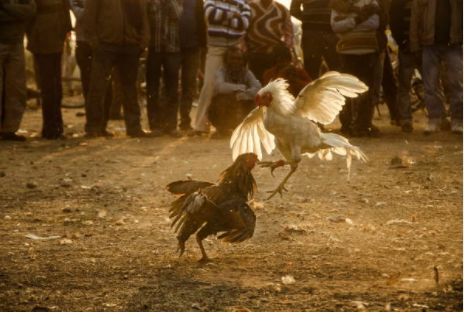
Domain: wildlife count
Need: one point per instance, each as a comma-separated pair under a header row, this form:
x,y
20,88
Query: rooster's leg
x,y
281,187
203,252
272,164
181,248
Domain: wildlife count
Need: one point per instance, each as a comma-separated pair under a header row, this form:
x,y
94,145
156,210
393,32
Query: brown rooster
x,y
206,209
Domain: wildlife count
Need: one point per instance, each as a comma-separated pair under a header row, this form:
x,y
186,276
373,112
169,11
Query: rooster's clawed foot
x,y
279,190
272,164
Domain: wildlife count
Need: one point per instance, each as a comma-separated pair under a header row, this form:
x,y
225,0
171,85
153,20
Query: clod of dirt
x,y
2,174
66,210
284,236
66,241
337,219
7,218
293,228
120,222
403,161
288,279
196,306
393,222
242,310
31,185
101,214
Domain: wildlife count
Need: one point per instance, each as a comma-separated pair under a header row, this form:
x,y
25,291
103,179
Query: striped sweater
x,y
356,38
227,21
269,27
315,14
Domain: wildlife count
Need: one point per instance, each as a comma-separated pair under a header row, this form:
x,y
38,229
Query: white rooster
x,y
280,120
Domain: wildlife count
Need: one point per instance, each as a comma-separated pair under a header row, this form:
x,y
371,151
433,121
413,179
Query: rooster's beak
x,y
257,99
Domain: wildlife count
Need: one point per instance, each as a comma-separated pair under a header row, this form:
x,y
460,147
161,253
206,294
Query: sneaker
x,y
433,126
406,126
11,136
456,126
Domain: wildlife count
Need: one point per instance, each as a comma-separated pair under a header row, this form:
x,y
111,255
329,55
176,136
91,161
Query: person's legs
x,y
49,72
84,61
312,45
405,72
14,95
214,59
127,64
155,110
431,58
331,57
189,66
452,57
171,65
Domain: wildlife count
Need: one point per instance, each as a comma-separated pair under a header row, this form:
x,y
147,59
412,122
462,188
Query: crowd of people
x,y
247,44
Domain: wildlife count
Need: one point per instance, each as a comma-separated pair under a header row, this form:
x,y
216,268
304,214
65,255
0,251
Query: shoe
x,y
185,128
174,133
197,133
373,131
11,136
55,137
156,133
433,126
140,134
456,126
406,126
105,133
445,124
92,135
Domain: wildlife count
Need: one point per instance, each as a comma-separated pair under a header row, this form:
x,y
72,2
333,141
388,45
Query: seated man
x,y
297,77
235,88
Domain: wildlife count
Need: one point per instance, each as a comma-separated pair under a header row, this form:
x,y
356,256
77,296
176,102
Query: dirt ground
x,y
370,244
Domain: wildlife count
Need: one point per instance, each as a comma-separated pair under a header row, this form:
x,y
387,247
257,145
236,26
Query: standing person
x,y
163,56
84,53
400,18
383,71
46,37
270,25
192,32
356,22
436,27
118,33
14,17
318,39
227,21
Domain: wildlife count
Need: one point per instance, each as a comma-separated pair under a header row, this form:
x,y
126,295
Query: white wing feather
x,y
322,99
249,134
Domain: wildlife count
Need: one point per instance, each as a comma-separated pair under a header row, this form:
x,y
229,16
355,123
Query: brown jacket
x,y
422,27
106,21
50,26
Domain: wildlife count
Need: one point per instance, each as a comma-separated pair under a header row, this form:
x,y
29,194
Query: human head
x,y
234,59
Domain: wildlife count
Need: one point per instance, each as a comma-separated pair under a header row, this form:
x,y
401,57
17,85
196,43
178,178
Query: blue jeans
x,y
451,56
407,65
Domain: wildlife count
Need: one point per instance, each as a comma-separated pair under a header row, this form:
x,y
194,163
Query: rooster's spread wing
x,y
239,221
186,187
322,99
247,136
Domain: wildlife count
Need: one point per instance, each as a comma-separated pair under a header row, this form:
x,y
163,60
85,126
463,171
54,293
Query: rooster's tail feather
x,y
334,143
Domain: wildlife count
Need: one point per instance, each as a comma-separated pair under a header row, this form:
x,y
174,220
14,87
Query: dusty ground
x,y
106,200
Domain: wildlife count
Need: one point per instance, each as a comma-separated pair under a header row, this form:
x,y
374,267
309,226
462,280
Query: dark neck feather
x,y
239,177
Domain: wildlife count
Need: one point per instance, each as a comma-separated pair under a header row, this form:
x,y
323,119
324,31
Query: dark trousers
x,y
162,115
385,78
258,63
49,72
317,44
358,112
84,61
125,59
190,62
